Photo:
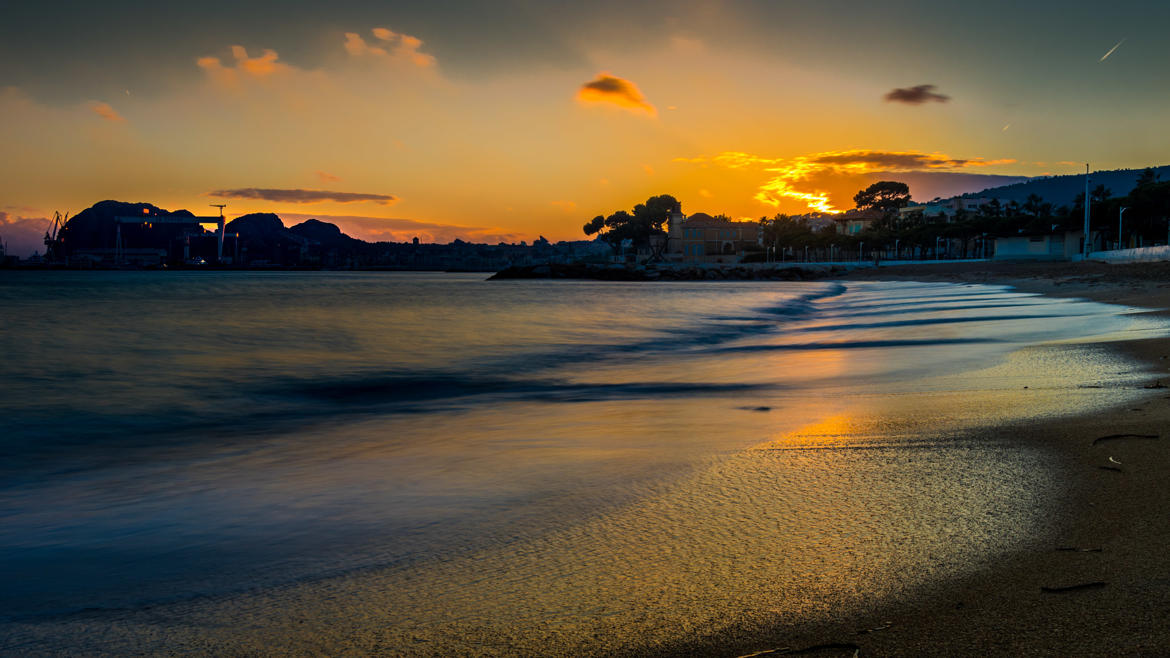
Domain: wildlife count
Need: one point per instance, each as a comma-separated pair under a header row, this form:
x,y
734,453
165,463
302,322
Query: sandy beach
x,y
1104,587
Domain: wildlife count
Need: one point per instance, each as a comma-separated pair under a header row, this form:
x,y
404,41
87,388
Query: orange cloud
x,y
606,88
567,206
262,66
815,179
106,112
404,47
327,177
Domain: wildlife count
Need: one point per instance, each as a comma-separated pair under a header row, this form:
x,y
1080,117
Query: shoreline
x,y
992,605
1103,586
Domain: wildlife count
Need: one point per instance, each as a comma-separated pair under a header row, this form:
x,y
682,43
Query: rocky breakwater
x,y
665,272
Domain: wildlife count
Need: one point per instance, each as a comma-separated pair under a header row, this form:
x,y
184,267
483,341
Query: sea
x,y
435,463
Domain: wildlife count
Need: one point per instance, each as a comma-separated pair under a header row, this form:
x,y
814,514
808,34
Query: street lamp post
x,y
861,251
1120,215
937,241
896,252
1088,245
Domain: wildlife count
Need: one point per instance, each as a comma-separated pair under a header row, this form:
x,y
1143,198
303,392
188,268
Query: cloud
x,y
396,46
916,95
106,112
567,206
820,180
606,88
23,235
262,66
327,177
866,161
397,229
302,196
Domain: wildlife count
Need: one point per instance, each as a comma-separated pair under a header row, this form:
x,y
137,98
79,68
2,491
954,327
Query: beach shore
x,y
1103,587
1090,579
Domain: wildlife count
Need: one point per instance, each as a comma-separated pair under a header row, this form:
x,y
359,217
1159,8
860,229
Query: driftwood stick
x,y
1097,584
1114,437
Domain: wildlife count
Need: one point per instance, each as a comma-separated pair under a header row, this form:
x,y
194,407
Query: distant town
x,y
1014,222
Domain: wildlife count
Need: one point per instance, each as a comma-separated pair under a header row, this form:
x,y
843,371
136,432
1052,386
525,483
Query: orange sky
x,y
379,132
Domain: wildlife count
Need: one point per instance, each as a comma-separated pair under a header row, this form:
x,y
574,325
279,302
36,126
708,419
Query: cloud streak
x,y
612,90
916,95
302,196
1106,55
397,229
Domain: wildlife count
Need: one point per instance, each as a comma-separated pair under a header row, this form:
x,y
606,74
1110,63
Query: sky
x,y
504,121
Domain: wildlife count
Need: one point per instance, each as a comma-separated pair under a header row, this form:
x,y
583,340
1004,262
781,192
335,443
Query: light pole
x,y
1087,244
937,240
896,252
806,253
1120,215
861,251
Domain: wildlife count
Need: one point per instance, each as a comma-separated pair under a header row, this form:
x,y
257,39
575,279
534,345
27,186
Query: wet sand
x,y
1103,588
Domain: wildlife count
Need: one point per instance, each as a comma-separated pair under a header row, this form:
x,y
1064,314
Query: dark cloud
x,y
916,95
899,160
302,196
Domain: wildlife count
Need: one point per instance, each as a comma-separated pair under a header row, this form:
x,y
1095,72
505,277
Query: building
x,y
853,222
702,238
945,208
1039,246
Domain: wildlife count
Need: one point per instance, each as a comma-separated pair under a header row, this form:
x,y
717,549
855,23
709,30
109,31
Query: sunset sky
x,y
508,120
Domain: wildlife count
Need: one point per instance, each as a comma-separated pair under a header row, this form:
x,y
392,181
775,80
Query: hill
x,y
1063,190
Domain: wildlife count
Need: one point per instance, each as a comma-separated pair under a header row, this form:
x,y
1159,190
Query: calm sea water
x,y
448,464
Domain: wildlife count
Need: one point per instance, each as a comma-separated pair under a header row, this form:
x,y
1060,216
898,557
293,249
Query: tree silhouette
x,y
886,196
646,220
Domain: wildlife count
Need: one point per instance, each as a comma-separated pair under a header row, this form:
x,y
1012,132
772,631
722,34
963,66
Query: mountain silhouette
x,y
1063,190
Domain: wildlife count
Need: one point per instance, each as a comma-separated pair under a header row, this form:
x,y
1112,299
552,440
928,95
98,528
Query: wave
x,y
859,344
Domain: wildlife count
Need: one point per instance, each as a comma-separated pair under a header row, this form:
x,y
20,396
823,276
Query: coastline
x,y
1113,587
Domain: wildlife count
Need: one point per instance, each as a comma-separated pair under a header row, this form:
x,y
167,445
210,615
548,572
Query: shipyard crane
x,y
52,242
221,206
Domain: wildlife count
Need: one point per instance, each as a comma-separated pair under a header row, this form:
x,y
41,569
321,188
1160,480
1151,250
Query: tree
x,y
1034,205
992,209
1147,177
646,220
783,231
1100,193
886,196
